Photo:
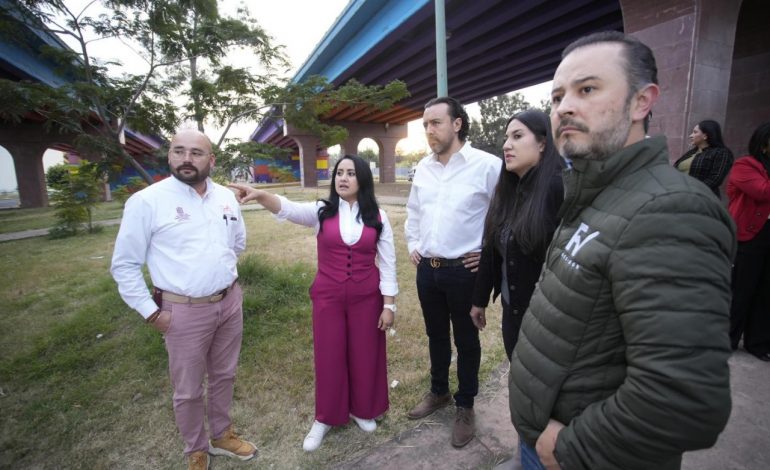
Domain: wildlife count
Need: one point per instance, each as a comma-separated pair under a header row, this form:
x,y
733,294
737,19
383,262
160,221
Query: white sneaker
x,y
315,436
366,425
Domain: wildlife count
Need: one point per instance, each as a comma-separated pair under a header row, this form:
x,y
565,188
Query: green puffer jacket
x,y
626,337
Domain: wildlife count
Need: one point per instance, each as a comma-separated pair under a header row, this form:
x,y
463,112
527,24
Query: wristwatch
x,y
391,307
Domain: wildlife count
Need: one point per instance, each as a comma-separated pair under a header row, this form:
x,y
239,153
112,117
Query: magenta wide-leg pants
x,y
350,360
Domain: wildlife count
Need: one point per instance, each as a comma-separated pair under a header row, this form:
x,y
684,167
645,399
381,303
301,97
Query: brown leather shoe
x,y
232,445
430,403
198,461
464,428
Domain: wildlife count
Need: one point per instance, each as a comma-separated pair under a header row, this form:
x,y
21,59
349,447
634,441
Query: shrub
x,y
74,201
57,176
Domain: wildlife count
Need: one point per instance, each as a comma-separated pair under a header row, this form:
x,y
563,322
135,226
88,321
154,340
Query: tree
x,y
303,104
489,133
545,106
409,159
369,155
96,107
92,105
196,36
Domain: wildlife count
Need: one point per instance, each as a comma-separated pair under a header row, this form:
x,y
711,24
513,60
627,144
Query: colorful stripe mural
x,y
271,171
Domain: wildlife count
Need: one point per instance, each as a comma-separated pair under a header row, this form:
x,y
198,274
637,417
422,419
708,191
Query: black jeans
x,y
446,295
750,309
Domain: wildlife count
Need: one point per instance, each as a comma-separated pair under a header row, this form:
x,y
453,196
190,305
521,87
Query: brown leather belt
x,y
209,299
442,262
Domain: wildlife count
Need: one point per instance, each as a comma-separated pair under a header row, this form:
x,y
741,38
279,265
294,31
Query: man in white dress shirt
x,y
189,232
450,196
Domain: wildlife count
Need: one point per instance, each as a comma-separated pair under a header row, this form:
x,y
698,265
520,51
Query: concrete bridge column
x,y
30,176
749,103
387,147
386,136
693,45
307,160
308,154
350,145
27,141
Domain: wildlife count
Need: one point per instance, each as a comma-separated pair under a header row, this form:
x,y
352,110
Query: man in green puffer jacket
x,y
622,358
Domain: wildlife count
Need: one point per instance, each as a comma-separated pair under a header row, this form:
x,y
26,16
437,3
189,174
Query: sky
x,y
296,24
299,34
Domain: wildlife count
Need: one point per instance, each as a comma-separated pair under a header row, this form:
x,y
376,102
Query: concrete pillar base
x,y
386,137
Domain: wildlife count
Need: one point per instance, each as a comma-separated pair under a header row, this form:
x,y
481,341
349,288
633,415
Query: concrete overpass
x,y
22,58
712,58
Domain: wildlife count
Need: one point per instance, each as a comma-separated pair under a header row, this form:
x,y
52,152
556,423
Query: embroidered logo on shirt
x,y
181,215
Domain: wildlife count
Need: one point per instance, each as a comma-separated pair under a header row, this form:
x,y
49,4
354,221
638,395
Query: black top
x,y
711,166
522,270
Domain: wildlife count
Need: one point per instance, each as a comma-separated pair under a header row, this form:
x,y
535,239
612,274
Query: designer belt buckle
x,y
435,263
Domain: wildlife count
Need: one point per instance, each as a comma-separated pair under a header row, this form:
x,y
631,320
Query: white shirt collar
x,y
462,153
347,206
182,186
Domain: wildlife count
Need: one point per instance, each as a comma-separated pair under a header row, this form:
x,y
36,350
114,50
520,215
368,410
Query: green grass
x,y
83,381
87,364
16,220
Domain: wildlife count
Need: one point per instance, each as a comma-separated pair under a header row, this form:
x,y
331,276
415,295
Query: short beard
x,y
193,179
441,147
438,149
603,143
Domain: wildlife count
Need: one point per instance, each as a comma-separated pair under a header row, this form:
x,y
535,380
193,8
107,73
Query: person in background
x,y
708,160
520,222
353,298
621,361
189,232
748,191
445,212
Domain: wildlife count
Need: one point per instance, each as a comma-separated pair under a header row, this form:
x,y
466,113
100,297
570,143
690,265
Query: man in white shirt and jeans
x,y
450,195
189,232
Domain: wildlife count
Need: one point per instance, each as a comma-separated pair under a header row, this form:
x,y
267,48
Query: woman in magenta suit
x,y
353,298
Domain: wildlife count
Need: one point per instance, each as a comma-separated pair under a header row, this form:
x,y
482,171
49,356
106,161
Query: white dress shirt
x,y
447,204
351,229
189,242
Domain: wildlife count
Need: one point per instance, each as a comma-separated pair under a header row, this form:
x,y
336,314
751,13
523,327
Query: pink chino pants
x,y
204,339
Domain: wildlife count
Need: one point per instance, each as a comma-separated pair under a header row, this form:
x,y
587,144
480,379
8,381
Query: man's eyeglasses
x,y
194,153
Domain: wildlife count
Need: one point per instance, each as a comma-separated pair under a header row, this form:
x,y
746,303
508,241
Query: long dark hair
x,y
520,203
713,133
759,139
368,210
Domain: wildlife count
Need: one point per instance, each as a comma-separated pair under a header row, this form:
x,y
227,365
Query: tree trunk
x,y
139,169
194,95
